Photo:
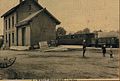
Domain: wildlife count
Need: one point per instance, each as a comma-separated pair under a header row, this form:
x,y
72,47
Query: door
x,y
23,36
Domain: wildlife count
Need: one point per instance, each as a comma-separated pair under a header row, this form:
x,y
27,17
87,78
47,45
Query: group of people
x,y
103,49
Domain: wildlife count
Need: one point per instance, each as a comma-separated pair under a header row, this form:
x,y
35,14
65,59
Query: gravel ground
x,y
60,65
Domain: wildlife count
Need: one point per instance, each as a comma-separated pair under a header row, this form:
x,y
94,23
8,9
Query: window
x,y
6,24
12,21
9,23
9,40
6,38
12,37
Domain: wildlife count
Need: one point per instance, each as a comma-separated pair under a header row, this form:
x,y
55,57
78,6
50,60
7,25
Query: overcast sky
x,y
77,14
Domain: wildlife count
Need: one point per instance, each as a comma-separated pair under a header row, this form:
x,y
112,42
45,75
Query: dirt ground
x,y
60,65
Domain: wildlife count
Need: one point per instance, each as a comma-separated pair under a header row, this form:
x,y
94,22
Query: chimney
x,y
20,1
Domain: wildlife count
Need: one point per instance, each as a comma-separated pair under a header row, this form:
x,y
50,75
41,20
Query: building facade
x,y
27,24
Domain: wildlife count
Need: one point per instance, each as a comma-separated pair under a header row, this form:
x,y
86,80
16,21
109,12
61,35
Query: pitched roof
x,y
26,20
53,17
29,18
16,7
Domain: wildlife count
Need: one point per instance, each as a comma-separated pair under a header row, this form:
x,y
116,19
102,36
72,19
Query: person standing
x,y
104,50
111,52
84,48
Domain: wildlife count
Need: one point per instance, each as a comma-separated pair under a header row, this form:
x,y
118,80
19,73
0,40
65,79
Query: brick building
x,y
28,23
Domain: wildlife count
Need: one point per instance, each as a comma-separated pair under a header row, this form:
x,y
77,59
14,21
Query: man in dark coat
x,y
84,48
104,50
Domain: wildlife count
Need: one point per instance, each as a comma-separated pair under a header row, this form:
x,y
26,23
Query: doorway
x,y
23,36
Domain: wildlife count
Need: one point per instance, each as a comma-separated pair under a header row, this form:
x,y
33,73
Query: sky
x,y
76,15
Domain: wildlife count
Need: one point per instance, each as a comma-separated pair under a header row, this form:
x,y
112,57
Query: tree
x,y
100,31
96,31
60,31
86,30
70,33
79,32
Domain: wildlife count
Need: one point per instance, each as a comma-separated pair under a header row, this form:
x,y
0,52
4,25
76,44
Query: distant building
x,y
28,23
108,34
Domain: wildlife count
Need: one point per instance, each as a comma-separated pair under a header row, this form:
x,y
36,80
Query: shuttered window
x,y
9,23
6,24
12,21
6,38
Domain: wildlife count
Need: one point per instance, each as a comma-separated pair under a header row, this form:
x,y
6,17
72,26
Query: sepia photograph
x,y
59,40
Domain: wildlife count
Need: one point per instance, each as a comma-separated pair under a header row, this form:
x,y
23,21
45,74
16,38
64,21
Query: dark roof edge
x,y
14,8
26,22
42,10
57,21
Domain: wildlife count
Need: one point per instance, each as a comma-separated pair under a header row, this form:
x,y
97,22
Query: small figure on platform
x,y
111,52
104,50
84,48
